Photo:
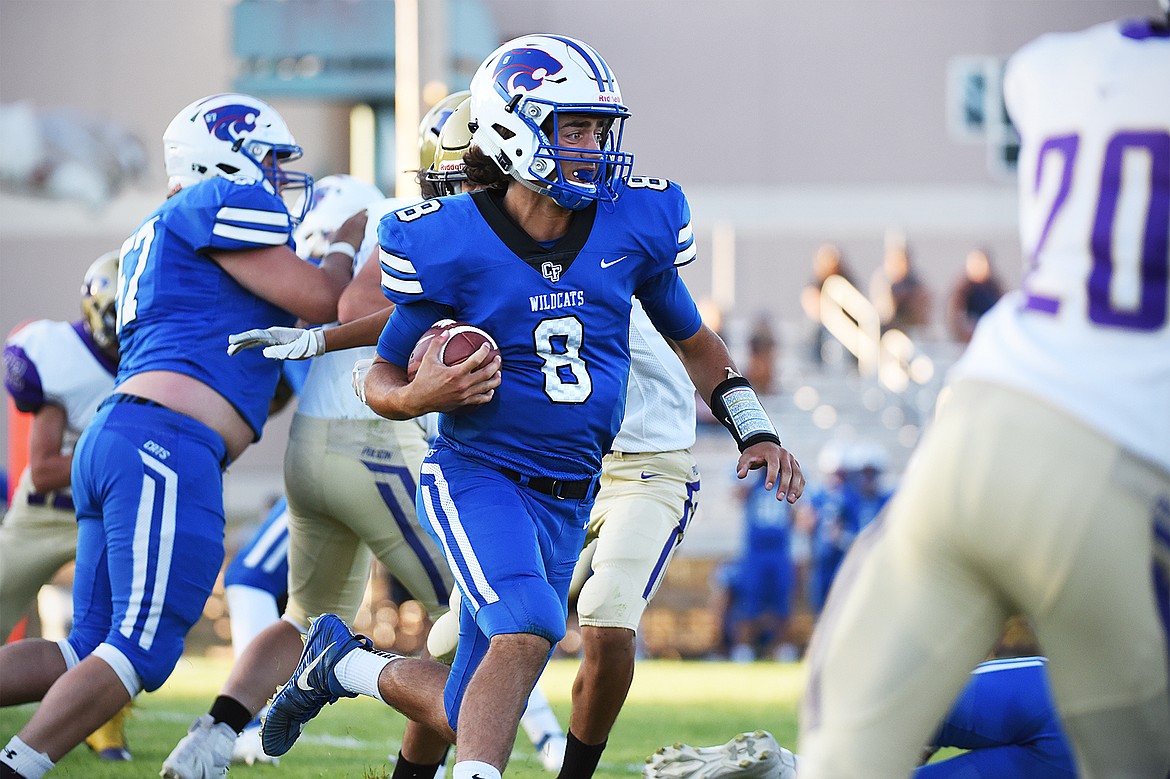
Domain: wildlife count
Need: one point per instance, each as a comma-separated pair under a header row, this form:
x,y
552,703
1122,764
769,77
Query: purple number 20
x,y
1150,313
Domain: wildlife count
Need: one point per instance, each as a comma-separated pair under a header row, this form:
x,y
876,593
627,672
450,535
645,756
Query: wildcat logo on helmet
x,y
526,69
229,122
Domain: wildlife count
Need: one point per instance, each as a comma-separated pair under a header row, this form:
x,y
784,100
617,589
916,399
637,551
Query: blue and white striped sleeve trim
x,y
398,275
687,251
251,225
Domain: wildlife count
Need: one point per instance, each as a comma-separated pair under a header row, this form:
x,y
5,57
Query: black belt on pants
x,y
558,488
122,397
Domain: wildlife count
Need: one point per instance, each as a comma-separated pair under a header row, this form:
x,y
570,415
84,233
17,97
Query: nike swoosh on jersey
x,y
302,680
648,475
605,264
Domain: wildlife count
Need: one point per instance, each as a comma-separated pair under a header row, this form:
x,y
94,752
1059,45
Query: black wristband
x,y
737,407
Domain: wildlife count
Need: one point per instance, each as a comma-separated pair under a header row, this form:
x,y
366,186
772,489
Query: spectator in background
x,y
897,291
973,294
761,365
828,261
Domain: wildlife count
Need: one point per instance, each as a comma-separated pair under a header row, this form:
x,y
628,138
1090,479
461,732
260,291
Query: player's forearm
x,y
706,359
389,394
321,299
359,332
50,473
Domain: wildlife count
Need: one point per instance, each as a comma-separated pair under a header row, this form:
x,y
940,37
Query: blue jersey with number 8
x,y
560,314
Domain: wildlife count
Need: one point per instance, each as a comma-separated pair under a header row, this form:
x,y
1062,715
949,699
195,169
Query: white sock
x,y
474,769
250,610
539,720
358,671
28,762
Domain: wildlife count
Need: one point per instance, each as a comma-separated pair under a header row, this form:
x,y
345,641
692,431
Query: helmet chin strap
x,y
564,199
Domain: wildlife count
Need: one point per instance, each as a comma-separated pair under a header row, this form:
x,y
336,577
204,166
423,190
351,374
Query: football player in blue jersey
x,y
215,258
1004,718
547,259
765,575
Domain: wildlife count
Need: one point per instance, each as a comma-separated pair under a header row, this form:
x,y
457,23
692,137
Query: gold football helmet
x,y
432,125
99,292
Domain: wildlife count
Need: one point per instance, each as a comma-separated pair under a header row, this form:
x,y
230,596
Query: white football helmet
x,y
517,97
231,136
431,126
99,293
447,169
333,200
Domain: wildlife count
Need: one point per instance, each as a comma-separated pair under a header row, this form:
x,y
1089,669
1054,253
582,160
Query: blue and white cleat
x,y
313,684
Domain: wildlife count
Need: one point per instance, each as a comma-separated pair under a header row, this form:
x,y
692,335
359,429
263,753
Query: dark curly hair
x,y
483,171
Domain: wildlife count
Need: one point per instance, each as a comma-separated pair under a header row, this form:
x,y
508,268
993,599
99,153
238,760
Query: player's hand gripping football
x,y
446,388
784,474
280,343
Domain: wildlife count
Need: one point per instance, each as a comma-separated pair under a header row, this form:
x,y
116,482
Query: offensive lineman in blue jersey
x,y
1004,718
546,261
147,474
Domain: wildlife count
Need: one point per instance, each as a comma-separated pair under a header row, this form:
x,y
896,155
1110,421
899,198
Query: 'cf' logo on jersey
x,y
550,271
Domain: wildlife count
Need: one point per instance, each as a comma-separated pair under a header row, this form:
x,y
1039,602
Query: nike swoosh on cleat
x,y
303,678
648,475
605,264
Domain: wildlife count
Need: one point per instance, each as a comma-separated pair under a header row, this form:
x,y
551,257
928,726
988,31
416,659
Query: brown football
x,y
465,341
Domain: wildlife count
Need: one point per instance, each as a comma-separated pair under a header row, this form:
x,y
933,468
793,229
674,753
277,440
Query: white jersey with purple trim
x,y
327,393
660,398
58,362
1089,330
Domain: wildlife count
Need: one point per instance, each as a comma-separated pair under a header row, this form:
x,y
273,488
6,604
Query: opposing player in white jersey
x,y
648,497
214,258
350,480
1043,486
59,372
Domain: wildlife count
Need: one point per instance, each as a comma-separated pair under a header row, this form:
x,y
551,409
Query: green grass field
x,y
701,703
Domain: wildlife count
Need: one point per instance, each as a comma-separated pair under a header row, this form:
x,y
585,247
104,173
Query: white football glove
x,y
280,343
360,369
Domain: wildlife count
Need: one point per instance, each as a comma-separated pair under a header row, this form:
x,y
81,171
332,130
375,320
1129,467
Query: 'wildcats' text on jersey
x,y
560,314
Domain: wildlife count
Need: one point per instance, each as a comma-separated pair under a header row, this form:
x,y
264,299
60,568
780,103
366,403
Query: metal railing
x,y
853,320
